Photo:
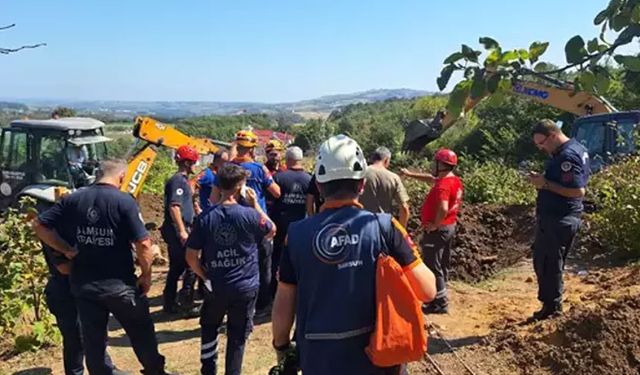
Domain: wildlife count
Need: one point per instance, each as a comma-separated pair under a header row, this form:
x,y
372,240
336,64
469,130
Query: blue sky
x,y
262,50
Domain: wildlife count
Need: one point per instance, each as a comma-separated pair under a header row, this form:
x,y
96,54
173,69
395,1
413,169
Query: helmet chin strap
x,y
438,169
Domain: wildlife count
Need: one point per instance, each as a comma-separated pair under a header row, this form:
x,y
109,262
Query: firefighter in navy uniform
x,y
179,213
95,227
328,269
561,190
62,305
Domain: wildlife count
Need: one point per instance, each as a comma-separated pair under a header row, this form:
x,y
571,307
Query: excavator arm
x,y
552,92
153,134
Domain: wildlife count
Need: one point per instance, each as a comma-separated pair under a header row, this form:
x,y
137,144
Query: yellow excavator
x,y
606,132
46,159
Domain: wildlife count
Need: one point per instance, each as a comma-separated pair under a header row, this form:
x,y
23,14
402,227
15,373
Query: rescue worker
x,y
561,190
178,217
261,182
383,189
62,305
439,215
327,273
294,185
207,178
273,150
223,250
96,227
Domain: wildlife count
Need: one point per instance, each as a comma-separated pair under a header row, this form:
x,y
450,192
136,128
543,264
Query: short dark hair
x,y
381,153
230,175
545,127
340,188
218,154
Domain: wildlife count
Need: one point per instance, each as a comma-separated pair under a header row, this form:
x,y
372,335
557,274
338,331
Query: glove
x,y
287,360
282,351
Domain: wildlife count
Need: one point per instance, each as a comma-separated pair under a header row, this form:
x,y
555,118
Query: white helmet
x,y
340,158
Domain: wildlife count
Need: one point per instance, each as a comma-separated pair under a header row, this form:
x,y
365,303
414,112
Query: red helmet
x,y
187,153
446,156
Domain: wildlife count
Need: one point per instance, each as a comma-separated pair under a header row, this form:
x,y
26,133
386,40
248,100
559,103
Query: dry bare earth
x,y
599,333
483,327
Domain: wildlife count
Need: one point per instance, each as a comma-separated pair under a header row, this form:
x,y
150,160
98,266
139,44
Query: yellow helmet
x,y
274,145
246,138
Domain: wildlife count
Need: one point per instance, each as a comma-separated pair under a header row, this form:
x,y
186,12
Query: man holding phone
x,y
559,207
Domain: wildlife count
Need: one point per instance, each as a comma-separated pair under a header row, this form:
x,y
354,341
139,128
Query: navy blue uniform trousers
x,y
239,309
554,239
62,305
131,310
177,267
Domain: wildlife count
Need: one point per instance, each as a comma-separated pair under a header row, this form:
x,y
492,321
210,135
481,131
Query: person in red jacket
x,y
439,215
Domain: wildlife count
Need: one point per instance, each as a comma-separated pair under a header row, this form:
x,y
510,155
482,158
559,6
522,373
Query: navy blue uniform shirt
x,y
101,222
178,192
228,236
568,167
291,206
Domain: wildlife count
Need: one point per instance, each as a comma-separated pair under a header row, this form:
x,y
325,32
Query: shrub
x,y
24,317
161,170
616,193
494,182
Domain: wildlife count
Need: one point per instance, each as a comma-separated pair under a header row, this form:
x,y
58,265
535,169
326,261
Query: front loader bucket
x,y
419,133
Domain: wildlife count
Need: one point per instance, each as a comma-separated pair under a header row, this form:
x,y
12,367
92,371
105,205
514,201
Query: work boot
x,y
548,310
190,312
435,308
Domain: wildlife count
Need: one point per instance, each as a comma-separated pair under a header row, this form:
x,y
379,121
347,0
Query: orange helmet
x,y
246,138
187,153
274,145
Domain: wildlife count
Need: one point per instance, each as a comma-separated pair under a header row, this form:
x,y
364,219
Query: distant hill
x,y
331,102
10,106
175,109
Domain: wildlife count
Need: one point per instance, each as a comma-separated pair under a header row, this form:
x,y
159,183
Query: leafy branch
x,y
499,69
6,51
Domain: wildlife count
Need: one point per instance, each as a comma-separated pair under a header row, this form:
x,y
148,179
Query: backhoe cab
x,y
45,158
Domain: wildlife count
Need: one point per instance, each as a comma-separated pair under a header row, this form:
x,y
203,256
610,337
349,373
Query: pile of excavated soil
x,y
600,340
490,238
152,209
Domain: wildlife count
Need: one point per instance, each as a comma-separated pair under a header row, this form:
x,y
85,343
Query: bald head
x,y
111,171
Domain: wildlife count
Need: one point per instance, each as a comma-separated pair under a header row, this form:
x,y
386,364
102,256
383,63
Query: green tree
x,y
588,60
63,112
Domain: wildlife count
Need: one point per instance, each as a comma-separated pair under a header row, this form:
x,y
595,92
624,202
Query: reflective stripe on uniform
x,y
209,349
338,335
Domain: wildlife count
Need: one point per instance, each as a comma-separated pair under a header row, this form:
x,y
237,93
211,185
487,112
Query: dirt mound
x,y
601,340
152,209
490,238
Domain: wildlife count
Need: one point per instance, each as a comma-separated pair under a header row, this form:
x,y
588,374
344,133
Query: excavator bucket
x,y
419,133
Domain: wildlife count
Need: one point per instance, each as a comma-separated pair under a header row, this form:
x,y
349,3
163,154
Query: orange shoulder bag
x,y
399,335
